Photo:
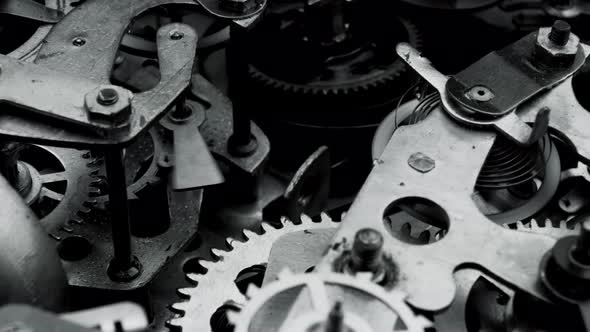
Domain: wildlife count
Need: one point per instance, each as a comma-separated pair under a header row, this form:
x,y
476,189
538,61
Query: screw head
x,y
176,35
109,104
107,96
78,41
367,239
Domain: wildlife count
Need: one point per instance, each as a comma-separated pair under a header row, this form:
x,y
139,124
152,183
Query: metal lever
x,y
194,166
510,125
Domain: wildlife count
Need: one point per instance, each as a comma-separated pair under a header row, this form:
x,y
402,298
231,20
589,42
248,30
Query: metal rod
x,y
120,222
241,139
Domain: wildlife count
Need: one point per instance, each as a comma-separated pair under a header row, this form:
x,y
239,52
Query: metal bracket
x,y
502,80
459,152
51,93
509,124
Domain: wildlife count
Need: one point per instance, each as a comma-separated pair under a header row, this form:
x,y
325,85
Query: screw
x,y
367,250
78,41
176,35
560,33
581,251
107,96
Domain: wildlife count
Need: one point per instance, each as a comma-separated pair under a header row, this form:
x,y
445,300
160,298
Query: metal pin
x,y
124,266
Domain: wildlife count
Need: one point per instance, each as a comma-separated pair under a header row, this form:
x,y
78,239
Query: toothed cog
x,y
218,284
325,302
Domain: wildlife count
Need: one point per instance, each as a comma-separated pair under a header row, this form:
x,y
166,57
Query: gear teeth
x,y
184,293
217,253
206,264
265,227
326,217
248,234
560,229
227,267
305,220
179,307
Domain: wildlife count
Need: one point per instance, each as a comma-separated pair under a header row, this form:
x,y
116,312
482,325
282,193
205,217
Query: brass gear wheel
x,y
217,282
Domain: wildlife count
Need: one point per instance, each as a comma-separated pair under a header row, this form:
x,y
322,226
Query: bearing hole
x,y
74,248
416,220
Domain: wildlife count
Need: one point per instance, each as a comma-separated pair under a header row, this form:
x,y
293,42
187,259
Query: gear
x,y
356,76
144,161
217,282
475,290
329,302
60,185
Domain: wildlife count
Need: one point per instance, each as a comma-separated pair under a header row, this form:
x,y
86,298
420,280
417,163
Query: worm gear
x,y
218,283
325,302
488,301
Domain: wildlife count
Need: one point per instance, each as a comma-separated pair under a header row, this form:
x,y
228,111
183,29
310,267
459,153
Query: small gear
x,y
60,185
325,302
218,282
473,289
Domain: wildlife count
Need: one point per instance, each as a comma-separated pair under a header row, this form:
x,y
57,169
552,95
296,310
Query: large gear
x,y
217,283
325,300
355,83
